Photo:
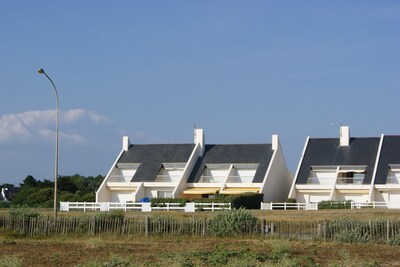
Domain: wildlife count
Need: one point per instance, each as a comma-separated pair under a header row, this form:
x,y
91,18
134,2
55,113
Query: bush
x,y
111,215
291,200
281,249
334,205
4,205
161,224
24,212
349,230
233,222
11,260
247,200
394,241
209,200
161,202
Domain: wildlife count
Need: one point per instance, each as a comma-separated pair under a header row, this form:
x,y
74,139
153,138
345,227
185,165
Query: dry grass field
x,y
157,251
269,215
85,251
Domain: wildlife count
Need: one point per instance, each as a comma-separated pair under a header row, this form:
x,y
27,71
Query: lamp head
x,y
40,71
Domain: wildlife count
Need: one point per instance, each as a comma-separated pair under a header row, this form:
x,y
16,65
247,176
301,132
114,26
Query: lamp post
x,y
41,71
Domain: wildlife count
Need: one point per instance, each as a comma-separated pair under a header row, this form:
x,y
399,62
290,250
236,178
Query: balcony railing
x,y
166,178
339,181
211,179
349,181
393,180
116,178
240,179
321,181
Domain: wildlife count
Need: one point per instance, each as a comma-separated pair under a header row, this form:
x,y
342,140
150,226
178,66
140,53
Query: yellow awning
x,y
201,191
239,190
122,188
352,191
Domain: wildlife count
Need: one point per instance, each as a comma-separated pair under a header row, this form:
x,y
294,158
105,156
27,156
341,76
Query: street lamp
x,y
41,71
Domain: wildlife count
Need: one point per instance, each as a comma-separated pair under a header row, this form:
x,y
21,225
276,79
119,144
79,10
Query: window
x,y
214,173
164,194
393,174
242,173
322,175
351,175
170,172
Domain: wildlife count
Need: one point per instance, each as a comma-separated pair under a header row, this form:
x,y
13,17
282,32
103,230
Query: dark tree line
x,y
37,193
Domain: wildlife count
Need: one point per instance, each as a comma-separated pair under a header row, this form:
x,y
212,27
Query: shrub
x,y
209,200
233,222
291,200
394,241
4,205
247,200
334,205
348,230
24,212
161,202
281,249
10,260
111,215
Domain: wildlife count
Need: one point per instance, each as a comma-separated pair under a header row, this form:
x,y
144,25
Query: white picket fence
x,y
376,205
141,206
314,206
289,206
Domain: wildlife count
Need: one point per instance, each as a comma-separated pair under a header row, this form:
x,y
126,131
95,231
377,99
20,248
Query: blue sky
x,y
242,70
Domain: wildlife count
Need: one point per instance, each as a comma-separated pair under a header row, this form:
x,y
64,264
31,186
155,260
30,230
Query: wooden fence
x,y
343,229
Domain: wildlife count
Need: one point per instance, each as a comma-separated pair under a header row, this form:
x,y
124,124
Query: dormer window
x,y
215,173
242,173
322,175
351,175
393,174
123,172
170,172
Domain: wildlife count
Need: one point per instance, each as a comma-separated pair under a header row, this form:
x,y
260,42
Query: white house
x,y
360,169
387,177
196,170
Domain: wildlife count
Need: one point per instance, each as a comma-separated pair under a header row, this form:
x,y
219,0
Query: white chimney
x,y
125,143
199,139
344,135
275,142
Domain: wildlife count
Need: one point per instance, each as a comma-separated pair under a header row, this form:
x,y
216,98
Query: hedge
x,y
246,200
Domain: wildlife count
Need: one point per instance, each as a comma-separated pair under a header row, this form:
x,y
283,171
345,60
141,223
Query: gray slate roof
x,y
151,158
390,154
251,153
327,151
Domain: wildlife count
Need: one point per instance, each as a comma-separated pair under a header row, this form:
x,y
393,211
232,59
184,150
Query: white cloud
x,y
41,124
12,125
79,114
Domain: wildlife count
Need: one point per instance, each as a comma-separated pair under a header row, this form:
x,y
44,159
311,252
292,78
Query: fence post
x,y
272,229
263,227
387,230
270,206
146,226
325,229
204,226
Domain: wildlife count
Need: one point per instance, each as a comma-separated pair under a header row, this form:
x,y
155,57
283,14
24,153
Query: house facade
x,y
360,169
197,170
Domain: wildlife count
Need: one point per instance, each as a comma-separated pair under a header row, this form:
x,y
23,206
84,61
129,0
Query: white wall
x,y
278,179
354,197
151,192
103,194
122,196
181,185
